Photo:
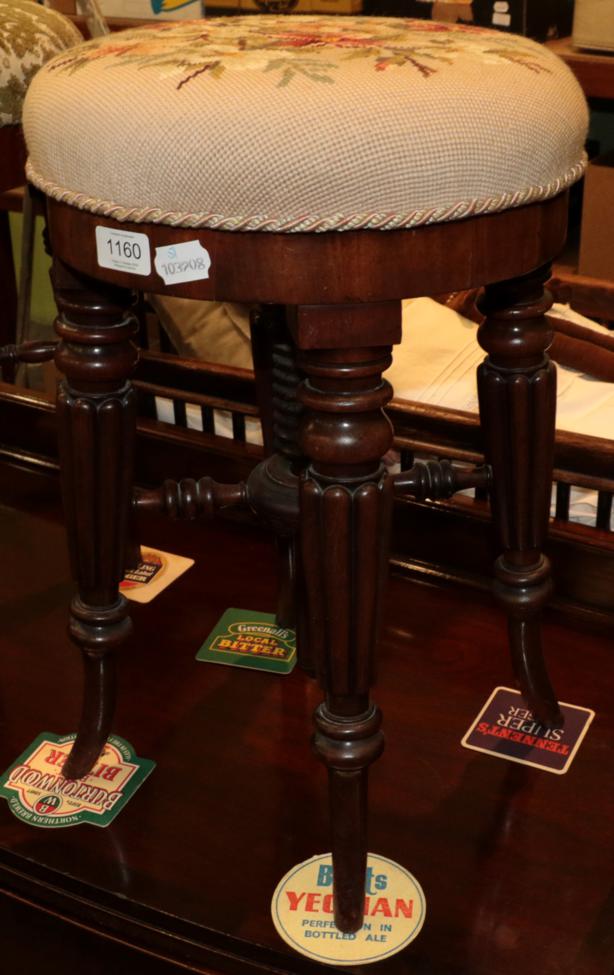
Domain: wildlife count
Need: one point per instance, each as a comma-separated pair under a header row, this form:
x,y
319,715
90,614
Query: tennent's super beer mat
x,y
394,912
245,638
38,793
153,574
506,728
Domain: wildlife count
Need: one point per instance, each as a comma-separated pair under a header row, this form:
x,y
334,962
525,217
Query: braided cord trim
x,y
307,223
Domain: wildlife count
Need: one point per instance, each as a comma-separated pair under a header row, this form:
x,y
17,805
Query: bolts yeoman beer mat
x,y
394,912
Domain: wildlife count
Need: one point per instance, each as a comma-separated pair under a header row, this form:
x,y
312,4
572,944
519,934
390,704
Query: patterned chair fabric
x,y
29,36
304,123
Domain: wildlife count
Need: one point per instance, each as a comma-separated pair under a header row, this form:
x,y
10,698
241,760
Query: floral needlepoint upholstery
x,y
304,123
29,36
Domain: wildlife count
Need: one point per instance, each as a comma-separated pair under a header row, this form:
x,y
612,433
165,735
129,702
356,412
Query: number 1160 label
x,y
122,250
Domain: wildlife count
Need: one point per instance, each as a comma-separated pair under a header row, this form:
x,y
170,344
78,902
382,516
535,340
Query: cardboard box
x,y
138,9
336,6
257,6
593,25
64,6
152,9
216,7
540,19
597,234
452,11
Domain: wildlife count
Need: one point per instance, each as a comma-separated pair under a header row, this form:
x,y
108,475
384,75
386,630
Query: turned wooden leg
x,y
96,422
517,390
346,504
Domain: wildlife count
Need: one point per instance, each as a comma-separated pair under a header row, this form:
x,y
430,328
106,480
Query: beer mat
x,y
38,793
302,912
246,638
154,573
506,728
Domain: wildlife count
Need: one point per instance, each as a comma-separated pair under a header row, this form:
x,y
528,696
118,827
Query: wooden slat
x,y
12,200
593,297
579,459
445,540
193,376
198,399
604,510
563,495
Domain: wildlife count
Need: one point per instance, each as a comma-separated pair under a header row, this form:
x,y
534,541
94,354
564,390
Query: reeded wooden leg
x,y
96,422
346,504
517,389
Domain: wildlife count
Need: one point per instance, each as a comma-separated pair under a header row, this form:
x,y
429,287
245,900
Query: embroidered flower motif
x,y
312,47
29,36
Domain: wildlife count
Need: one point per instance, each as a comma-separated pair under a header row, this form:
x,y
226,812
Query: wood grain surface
x,y
332,268
515,862
12,157
12,162
593,69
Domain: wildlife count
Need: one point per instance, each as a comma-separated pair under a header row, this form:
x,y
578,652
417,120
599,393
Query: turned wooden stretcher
x,y
224,399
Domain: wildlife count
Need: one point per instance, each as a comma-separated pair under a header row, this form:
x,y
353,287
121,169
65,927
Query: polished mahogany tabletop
x,y
516,863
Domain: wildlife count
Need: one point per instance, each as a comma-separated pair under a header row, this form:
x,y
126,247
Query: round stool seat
x,y
29,36
304,123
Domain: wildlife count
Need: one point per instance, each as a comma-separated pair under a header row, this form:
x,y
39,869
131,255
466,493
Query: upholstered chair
x,y
29,36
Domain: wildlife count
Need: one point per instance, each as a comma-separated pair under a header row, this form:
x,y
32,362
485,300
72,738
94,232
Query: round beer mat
x,y
302,911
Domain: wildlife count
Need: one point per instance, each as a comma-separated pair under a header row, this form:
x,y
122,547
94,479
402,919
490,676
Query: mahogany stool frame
x,y
325,490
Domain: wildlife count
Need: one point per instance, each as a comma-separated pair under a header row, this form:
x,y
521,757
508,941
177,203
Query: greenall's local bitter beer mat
x,y
394,912
153,574
246,638
38,793
506,728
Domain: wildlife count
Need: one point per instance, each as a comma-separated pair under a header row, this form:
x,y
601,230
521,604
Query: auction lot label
x,y
38,793
123,250
302,912
506,728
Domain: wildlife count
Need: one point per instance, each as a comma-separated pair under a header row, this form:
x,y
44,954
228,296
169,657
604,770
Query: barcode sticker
x,y
177,263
